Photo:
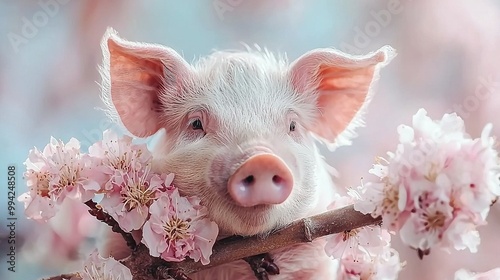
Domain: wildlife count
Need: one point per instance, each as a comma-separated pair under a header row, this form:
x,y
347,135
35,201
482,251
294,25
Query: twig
x,y
106,218
235,248
304,230
145,267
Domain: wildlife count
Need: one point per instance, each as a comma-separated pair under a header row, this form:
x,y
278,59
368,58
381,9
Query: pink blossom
x,y
363,253
382,266
97,267
438,185
178,227
426,226
38,207
383,199
361,239
57,173
372,237
117,157
70,170
129,200
463,274
461,234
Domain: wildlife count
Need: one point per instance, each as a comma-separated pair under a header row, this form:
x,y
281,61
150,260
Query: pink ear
x,y
341,84
134,77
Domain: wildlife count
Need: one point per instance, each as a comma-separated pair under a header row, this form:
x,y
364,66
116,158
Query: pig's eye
x,y
292,126
196,124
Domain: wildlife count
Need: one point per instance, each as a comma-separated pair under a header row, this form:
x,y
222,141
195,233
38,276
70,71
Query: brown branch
x,y
235,248
145,267
106,218
304,230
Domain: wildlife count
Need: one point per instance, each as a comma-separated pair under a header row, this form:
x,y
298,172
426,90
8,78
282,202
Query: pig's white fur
x,y
256,76
249,94
257,95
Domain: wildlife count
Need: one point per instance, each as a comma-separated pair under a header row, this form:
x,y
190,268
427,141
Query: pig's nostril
x,y
277,179
248,180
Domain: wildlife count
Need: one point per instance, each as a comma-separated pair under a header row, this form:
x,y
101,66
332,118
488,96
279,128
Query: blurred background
x,y
448,60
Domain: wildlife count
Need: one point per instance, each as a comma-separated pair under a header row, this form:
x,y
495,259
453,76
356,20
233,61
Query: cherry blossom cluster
x,y
438,185
363,253
174,227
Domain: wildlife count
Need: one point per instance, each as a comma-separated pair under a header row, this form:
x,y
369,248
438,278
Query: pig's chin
x,y
257,220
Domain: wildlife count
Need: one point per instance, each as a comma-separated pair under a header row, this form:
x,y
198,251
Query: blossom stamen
x,y
349,234
43,179
137,195
435,221
176,229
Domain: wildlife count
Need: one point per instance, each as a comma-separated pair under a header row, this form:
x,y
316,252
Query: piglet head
x,y
240,126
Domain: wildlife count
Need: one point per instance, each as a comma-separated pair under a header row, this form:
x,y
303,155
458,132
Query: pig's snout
x,y
262,179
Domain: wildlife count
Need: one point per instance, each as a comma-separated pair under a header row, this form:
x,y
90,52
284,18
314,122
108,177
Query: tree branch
x,y
235,248
145,267
304,230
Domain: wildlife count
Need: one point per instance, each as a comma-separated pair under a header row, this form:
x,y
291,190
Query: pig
x,y
241,131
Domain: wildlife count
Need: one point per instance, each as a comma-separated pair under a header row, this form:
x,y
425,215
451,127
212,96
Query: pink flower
x,y
38,207
371,238
461,234
129,200
463,274
382,266
70,171
178,227
383,199
118,157
57,173
438,185
426,226
97,267
363,253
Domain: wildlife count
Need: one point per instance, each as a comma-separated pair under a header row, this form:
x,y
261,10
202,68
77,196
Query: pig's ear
x,y
341,84
134,78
